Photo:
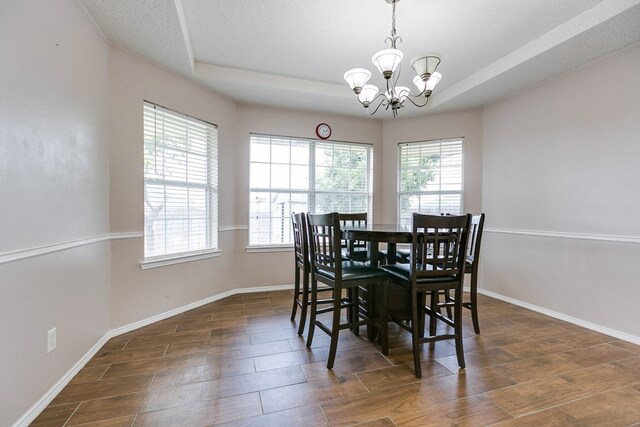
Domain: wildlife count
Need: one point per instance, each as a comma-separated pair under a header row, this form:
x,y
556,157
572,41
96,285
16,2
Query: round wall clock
x,y
323,131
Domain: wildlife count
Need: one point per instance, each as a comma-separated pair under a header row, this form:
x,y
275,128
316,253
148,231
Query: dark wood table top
x,y
391,233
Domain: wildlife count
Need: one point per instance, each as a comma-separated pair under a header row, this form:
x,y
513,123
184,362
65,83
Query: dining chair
x,y
344,277
302,268
471,267
302,265
354,250
437,263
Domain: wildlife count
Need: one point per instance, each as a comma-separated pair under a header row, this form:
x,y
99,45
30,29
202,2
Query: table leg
x,y
373,295
391,253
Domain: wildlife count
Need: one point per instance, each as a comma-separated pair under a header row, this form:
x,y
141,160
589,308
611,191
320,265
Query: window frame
x,y
211,187
400,193
312,192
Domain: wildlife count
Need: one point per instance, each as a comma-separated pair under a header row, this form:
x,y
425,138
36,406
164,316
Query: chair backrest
x,y
475,238
324,243
353,220
300,239
439,244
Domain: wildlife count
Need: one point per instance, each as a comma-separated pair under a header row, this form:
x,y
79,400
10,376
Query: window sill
x,y
270,248
165,260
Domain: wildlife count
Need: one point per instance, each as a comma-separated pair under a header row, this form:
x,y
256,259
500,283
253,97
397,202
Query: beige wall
x,y
138,294
466,124
54,188
562,158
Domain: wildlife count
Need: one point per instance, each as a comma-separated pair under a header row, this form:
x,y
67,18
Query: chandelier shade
x,y
367,94
399,92
425,64
388,62
433,80
429,84
357,77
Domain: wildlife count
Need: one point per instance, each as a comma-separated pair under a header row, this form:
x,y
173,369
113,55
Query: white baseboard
x,y
48,397
28,417
593,326
149,320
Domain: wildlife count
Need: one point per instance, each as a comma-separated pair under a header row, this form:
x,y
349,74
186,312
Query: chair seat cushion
x,y
401,273
402,255
405,253
359,254
354,270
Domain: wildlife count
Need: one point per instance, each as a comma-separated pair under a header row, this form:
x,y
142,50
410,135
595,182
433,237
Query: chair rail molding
x,y
565,235
61,246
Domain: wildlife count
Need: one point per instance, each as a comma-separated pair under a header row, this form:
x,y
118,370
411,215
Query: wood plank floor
x,y
240,362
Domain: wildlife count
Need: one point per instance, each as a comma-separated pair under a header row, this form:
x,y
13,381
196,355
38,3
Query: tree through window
x,y
429,178
301,175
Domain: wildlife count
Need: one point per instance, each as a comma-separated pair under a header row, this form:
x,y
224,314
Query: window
x,y
429,178
301,175
180,183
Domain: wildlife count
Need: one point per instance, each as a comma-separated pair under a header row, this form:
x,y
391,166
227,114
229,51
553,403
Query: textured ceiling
x,y
293,53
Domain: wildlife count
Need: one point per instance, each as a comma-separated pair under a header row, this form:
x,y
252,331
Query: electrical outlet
x,y
51,340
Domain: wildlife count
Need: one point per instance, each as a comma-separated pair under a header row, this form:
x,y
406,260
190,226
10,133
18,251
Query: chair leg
x,y
415,334
457,313
422,301
296,293
335,330
353,309
474,303
384,320
447,299
314,309
305,303
433,305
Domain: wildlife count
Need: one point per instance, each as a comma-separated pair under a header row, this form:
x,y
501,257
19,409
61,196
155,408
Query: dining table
x,y
374,234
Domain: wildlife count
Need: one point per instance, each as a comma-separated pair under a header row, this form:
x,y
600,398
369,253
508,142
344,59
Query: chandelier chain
x,y
394,37
393,20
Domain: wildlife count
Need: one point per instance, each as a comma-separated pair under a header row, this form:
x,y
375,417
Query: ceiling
x,y
293,53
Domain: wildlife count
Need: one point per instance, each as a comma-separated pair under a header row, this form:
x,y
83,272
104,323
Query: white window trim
x,y
165,260
268,248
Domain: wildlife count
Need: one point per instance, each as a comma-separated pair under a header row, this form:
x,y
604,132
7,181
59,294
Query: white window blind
x,y
301,175
180,183
429,178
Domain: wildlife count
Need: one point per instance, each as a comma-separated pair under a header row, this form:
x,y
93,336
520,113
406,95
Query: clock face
x,y
323,131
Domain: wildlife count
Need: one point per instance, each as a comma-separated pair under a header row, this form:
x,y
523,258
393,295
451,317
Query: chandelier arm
x,y
379,95
382,101
397,74
411,97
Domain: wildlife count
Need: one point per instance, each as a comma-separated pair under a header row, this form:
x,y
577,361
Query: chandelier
x,y
388,62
